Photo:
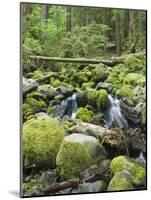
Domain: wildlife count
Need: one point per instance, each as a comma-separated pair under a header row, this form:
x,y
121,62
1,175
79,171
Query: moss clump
x,y
100,73
98,98
125,91
121,181
102,99
41,142
84,114
134,79
36,95
133,64
88,85
32,106
121,163
143,114
78,78
72,159
37,74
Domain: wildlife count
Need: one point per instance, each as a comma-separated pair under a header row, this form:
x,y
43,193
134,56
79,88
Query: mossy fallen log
x,y
111,62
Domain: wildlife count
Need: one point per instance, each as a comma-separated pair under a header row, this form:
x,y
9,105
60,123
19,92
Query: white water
x,y
141,157
114,114
74,104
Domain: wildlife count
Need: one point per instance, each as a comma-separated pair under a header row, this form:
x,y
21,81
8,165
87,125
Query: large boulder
x,y
78,152
29,85
41,142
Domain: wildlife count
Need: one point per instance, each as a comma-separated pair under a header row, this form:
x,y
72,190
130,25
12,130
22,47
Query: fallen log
x,y
61,186
111,62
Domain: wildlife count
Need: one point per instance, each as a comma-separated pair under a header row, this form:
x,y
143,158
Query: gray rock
x,y
106,86
47,178
94,148
48,91
65,91
58,110
97,186
42,115
29,85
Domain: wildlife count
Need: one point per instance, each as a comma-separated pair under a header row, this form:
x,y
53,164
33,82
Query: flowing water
x,y
71,106
113,113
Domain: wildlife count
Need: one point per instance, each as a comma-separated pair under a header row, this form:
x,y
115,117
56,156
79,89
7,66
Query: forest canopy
x,y
71,31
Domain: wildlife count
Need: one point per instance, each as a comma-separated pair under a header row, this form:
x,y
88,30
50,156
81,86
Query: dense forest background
x,y
67,31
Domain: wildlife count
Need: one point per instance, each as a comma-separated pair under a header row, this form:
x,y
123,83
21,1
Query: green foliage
x,y
84,114
72,159
78,78
41,142
37,74
100,73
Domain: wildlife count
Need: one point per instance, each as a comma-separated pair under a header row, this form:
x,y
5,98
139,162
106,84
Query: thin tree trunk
x,y
69,23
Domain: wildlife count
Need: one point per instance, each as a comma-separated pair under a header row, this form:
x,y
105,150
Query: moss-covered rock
x,y
134,64
78,152
88,85
84,114
57,83
125,91
32,106
134,79
121,181
37,74
98,98
41,142
100,73
78,78
102,99
120,163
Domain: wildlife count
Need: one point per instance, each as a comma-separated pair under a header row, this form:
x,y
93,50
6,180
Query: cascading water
x,y
113,113
71,106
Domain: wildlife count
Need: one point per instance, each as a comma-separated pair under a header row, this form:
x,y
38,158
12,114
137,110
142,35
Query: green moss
x,y
102,99
98,98
41,142
56,83
134,79
100,73
72,159
88,85
32,106
36,95
92,96
133,64
143,114
121,181
84,114
125,91
121,163
37,74
78,78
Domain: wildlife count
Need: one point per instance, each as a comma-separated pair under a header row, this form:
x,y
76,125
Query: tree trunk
x,y
44,13
69,23
118,36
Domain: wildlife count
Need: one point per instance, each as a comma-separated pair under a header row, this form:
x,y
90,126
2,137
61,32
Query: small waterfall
x,y
113,113
141,157
71,106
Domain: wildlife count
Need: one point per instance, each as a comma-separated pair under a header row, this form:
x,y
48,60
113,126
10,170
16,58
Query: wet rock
x,y
106,86
82,99
29,85
32,189
97,186
42,115
58,110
